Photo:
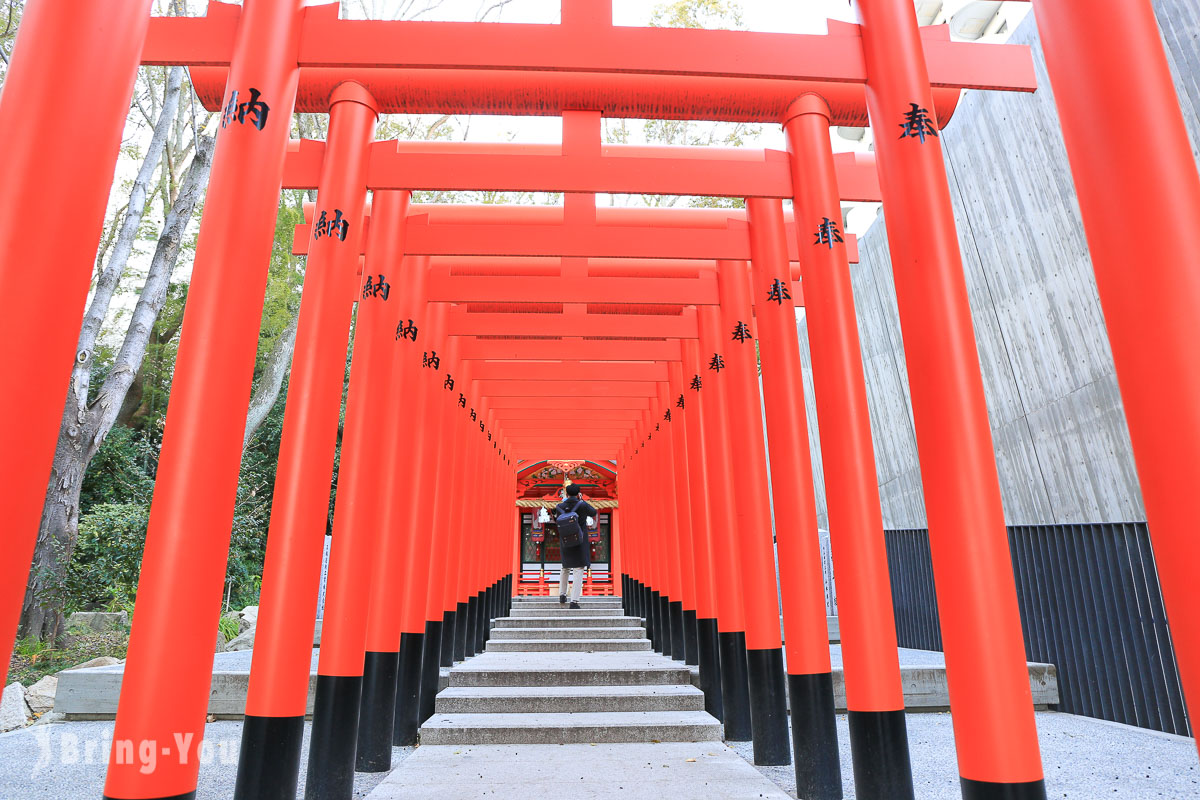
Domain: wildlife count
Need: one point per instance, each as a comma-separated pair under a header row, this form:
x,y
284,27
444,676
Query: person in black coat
x,y
575,559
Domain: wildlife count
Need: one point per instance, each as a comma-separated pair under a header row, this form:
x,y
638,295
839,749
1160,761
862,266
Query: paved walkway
x,y
572,703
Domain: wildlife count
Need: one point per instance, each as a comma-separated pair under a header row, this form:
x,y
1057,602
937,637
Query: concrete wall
x,y
1058,425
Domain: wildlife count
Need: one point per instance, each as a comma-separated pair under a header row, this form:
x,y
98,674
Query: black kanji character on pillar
x,y
331,227
696,382
679,403
489,436
462,400
917,124
827,233
377,289
255,109
472,415
431,360
408,331
481,426
717,362
741,332
779,290
667,416
449,382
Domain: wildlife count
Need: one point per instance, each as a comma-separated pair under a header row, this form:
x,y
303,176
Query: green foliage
x,y
711,14
108,556
229,627
118,473
33,659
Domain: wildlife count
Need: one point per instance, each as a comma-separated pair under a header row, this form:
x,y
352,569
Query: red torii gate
x,y
291,56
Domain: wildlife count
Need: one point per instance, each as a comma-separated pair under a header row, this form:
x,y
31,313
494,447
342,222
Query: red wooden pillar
x,y
673,497
764,646
436,366
707,653
810,682
357,507
977,600
413,474
683,505
454,607
1112,85
168,671
277,695
69,59
393,414
726,556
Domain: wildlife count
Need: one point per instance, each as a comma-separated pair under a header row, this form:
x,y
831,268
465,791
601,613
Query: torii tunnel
x,y
491,338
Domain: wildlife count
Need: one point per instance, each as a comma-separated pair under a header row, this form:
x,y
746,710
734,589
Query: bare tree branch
x,y
110,276
269,385
154,293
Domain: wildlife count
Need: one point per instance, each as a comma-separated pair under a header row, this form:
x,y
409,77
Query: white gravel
x,y
1083,759
68,760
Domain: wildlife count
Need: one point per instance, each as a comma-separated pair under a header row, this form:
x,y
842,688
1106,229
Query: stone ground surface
x,y
1085,759
67,760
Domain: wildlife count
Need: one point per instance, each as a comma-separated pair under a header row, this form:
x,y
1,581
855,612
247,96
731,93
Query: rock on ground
x,y
247,618
99,620
40,696
102,661
14,711
243,641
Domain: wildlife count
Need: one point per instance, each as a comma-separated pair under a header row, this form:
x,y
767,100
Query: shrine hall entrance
x,y
540,487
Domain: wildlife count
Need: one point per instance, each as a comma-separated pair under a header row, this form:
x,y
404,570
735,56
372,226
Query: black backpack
x,y
570,531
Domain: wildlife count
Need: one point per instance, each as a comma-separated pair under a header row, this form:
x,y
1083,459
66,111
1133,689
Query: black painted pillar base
x,y
430,661
664,624
269,761
377,712
710,666
653,623
483,624
691,651
471,634
334,738
879,745
735,687
408,691
990,790
677,647
645,599
814,737
460,632
768,707
446,658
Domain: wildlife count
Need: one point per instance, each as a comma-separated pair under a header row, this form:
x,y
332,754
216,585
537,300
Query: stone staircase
x,y
555,675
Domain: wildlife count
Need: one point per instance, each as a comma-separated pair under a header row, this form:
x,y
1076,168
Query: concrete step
x,y
564,645
567,699
568,633
583,728
568,621
569,669
586,602
557,610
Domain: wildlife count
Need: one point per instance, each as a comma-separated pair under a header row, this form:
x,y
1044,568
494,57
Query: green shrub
x,y
108,557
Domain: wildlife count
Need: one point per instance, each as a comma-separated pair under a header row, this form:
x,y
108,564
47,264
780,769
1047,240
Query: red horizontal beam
x,y
608,426
461,323
619,169
544,371
668,68
575,387
569,403
646,241
568,348
570,415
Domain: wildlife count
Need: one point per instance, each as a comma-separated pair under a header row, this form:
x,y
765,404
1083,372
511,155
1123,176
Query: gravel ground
x,y
67,760
1084,759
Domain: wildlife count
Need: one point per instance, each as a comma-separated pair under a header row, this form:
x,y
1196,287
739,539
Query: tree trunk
x,y
84,427
269,385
